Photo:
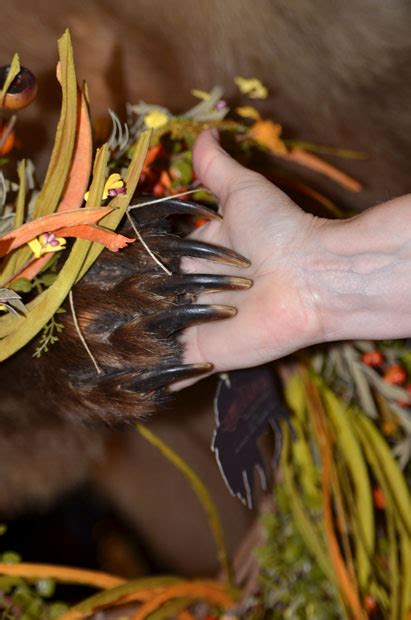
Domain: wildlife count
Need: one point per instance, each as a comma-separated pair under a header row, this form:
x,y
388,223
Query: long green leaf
x,y
349,447
374,443
307,528
61,156
302,456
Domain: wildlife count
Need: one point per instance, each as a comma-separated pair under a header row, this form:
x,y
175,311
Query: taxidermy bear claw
x,y
130,312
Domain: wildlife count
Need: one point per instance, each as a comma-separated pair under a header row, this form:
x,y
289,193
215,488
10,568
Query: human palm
x,y
276,315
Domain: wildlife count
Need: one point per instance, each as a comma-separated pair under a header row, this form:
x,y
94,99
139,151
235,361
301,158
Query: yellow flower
x,y
247,111
112,187
252,87
156,119
48,242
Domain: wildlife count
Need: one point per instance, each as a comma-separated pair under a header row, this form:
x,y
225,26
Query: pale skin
x,y
314,280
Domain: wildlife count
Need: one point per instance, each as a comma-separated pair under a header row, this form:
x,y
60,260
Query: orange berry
x,y
379,498
373,359
395,374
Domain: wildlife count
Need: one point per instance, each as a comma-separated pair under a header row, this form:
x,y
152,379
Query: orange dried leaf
x,y
49,223
80,170
111,240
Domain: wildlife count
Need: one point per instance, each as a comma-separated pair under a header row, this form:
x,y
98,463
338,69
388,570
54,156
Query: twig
x,y
80,335
144,244
164,199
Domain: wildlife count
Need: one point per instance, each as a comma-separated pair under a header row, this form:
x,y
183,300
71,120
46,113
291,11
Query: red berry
x,y
395,374
379,498
370,603
373,359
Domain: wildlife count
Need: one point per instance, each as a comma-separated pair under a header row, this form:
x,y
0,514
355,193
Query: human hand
x,y
277,314
315,280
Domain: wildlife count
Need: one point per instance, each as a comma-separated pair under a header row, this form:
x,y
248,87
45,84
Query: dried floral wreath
x,y
348,500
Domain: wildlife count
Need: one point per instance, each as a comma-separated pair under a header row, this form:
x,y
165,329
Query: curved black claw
x,y
150,213
195,283
165,323
175,247
156,379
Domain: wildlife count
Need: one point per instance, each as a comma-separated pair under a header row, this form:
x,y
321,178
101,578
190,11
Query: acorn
x,y
21,92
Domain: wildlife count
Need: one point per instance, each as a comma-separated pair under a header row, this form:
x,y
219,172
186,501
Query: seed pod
x,y
21,92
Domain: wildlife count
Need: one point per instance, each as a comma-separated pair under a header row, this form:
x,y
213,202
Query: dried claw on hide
x,y
174,246
150,213
195,283
156,379
165,323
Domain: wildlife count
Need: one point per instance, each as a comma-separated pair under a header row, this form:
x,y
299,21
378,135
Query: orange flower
x,y
268,134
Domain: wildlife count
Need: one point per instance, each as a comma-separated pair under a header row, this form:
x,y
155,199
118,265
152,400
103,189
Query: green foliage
x,y
293,584
49,335
20,600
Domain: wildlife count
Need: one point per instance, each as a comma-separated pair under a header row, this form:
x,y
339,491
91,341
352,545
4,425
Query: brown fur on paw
x,y
130,312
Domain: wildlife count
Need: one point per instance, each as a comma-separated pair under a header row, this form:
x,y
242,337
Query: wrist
x,y
358,274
